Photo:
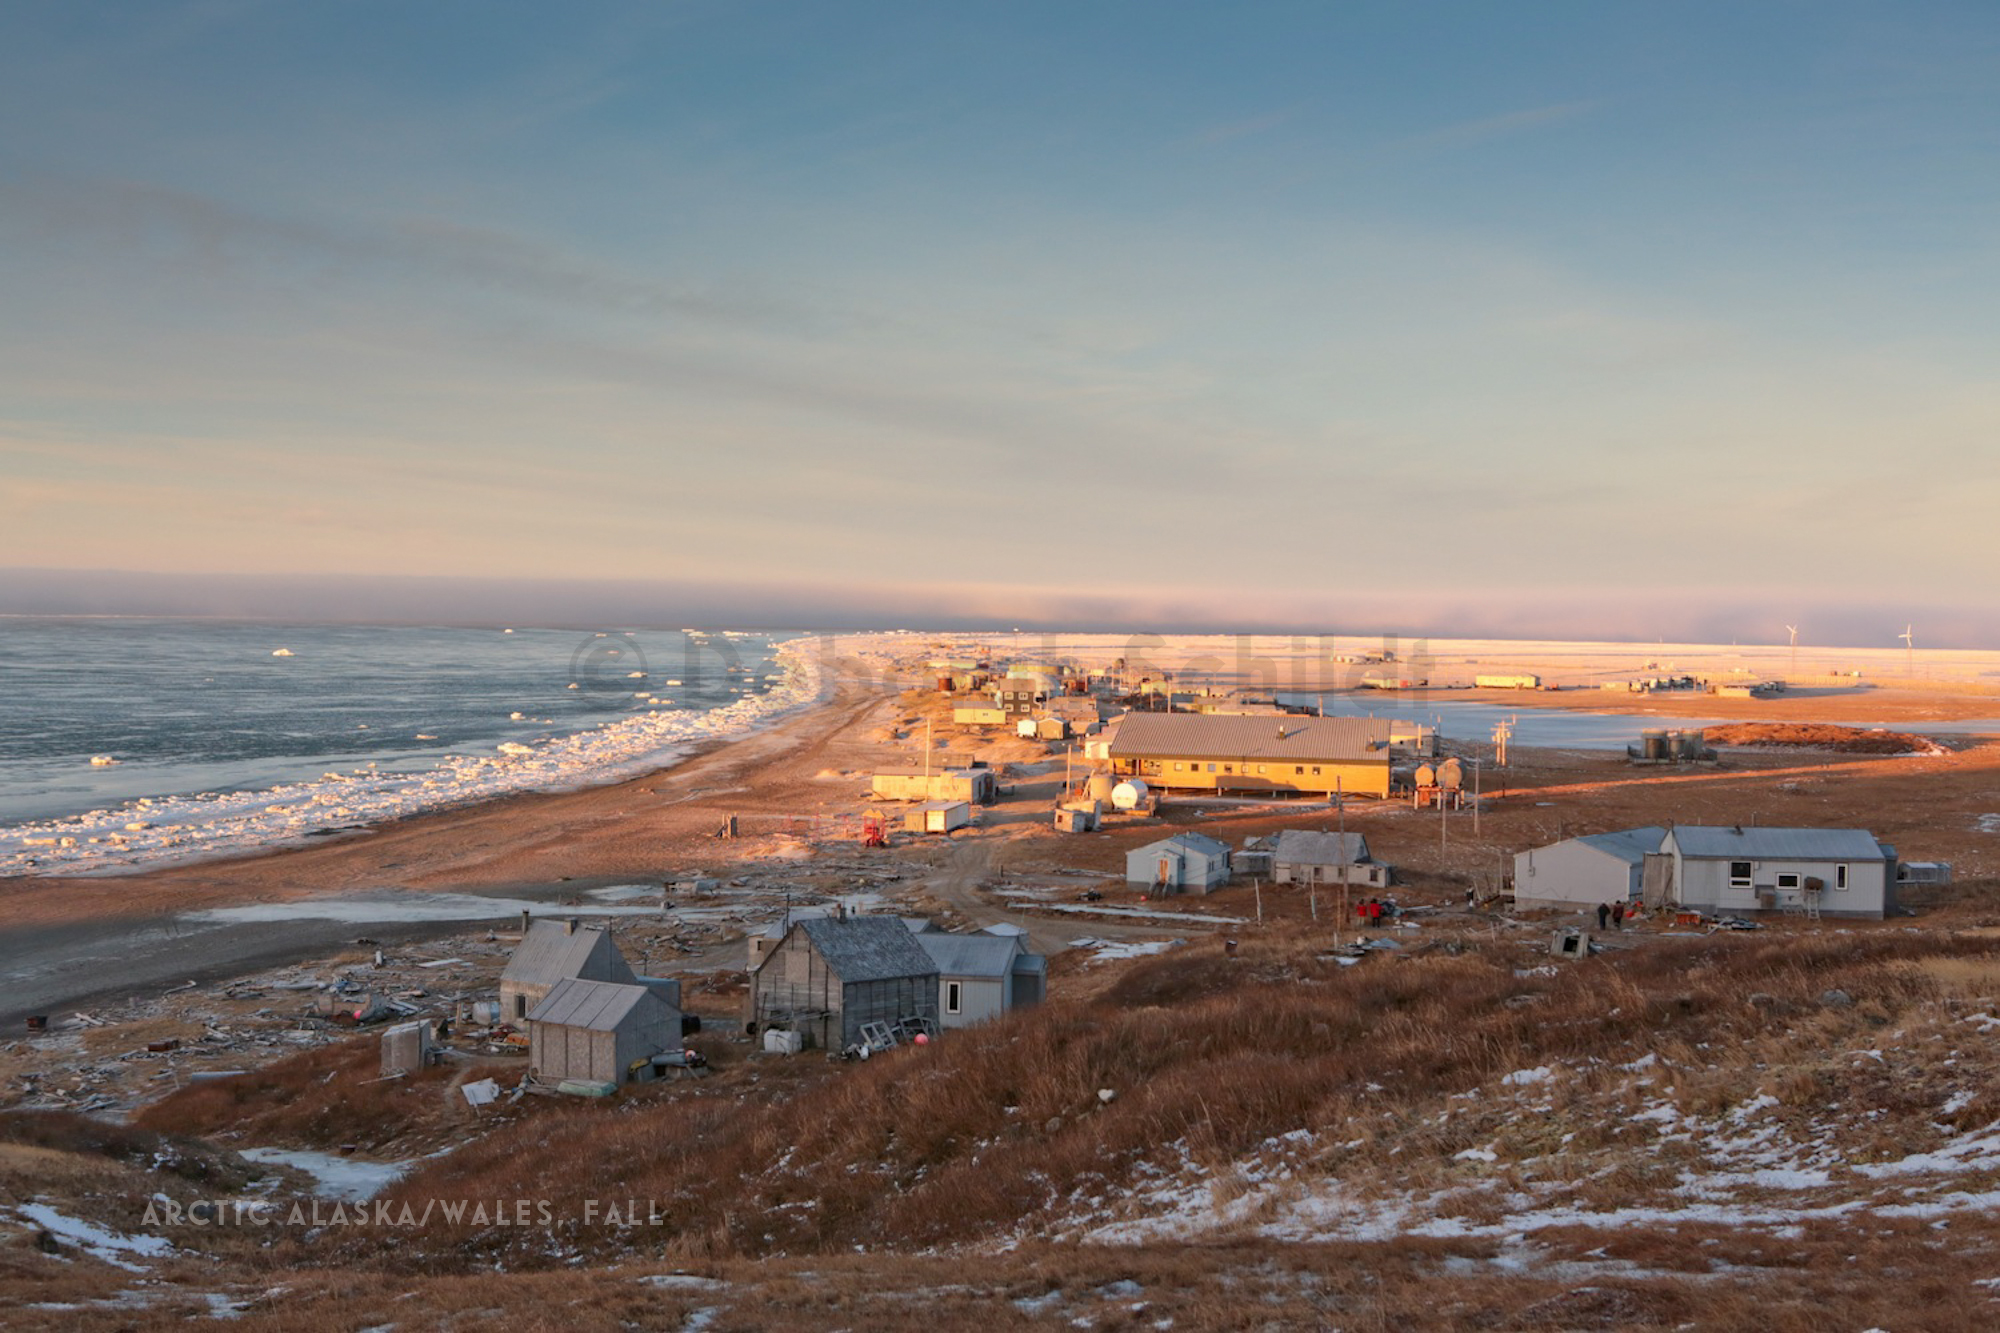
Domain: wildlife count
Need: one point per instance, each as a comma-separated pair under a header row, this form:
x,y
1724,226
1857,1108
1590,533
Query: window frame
x,y
1745,880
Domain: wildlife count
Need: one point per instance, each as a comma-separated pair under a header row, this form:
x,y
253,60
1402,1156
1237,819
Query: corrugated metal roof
x,y
1198,842
1307,848
1288,739
1629,845
868,948
1754,843
600,1006
550,952
970,955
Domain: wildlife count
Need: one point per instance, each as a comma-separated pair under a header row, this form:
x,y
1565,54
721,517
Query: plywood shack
x,y
599,1030
831,975
552,952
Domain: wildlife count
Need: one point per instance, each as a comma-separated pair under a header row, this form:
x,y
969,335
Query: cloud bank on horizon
x,y
1631,320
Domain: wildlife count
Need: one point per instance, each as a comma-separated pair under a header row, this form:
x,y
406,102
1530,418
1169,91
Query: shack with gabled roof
x,y
830,975
599,1030
552,952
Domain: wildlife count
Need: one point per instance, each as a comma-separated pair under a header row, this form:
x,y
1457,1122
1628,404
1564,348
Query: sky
x,y
1638,319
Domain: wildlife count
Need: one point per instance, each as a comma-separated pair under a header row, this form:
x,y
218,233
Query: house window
x,y
1179,767
1211,768
1262,769
1299,770
953,996
1739,874
1315,770
1840,876
1229,768
520,1006
1788,879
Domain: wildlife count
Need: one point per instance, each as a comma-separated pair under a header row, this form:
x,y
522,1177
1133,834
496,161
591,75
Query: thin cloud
x,y
1467,133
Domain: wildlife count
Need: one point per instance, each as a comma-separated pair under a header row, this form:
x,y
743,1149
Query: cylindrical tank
x,y
1426,776
1696,742
1451,774
1653,743
1676,745
1100,787
1129,794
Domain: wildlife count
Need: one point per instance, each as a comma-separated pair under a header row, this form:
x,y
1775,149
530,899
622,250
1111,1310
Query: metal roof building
x,y
1585,871
555,951
1184,863
1302,856
830,975
1837,872
1254,754
599,1030
983,976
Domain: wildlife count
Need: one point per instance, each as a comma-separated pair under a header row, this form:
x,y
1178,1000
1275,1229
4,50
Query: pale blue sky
x,y
1177,305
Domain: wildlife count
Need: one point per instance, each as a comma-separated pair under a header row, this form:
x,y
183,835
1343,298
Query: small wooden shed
x,y
599,1030
832,974
552,952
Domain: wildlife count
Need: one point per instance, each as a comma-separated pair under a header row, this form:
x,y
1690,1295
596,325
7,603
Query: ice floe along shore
x,y
151,832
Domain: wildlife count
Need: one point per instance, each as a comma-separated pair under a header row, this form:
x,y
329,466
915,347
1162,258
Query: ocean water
x,y
226,736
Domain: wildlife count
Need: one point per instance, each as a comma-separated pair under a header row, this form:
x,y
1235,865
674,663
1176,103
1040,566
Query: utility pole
x,y
1475,797
1340,801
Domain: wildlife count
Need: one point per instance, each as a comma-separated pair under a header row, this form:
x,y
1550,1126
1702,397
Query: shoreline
x,y
152,834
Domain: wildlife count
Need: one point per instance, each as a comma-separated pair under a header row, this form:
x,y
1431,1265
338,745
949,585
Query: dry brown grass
x,y
333,1098
1002,1127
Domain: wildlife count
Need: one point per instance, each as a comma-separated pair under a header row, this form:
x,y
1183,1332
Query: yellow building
x,y
1248,755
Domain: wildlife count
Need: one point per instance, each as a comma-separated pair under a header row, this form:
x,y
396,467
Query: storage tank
x,y
1129,794
1451,774
1426,776
1100,787
1653,743
1694,743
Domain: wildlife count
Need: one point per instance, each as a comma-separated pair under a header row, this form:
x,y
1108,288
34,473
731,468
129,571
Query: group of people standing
x,y
1370,913
1611,914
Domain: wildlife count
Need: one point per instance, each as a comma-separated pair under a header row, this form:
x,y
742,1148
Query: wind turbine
x,y
1910,646
1795,648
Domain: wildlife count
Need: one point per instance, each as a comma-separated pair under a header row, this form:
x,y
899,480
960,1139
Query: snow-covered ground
x,y
1753,1167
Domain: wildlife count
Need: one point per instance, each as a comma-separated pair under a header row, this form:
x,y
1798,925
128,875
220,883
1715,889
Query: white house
x,y
1583,872
983,976
1738,869
1184,863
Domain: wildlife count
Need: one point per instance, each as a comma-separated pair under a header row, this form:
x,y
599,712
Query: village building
x,y
977,785
1021,696
937,817
552,952
831,975
978,713
1184,863
600,1031
985,975
1300,856
1584,871
1316,755
1838,872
